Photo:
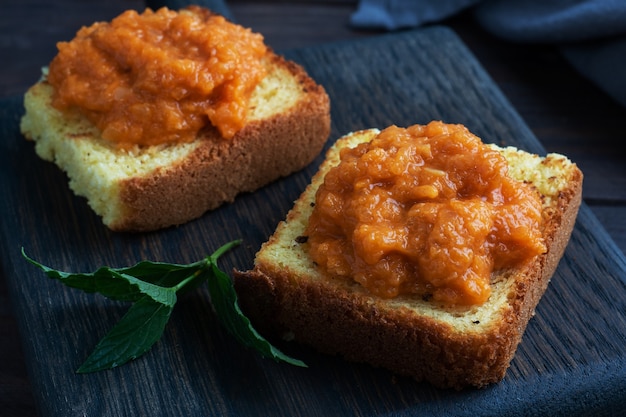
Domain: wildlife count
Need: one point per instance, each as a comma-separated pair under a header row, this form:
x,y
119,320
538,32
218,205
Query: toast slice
x,y
148,188
287,295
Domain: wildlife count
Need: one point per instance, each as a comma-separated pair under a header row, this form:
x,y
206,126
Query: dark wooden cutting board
x,y
572,357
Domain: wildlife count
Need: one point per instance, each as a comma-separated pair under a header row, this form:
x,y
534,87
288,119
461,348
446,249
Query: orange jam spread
x,y
427,210
159,77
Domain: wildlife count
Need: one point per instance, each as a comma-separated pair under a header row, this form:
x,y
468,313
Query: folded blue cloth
x,y
402,14
590,33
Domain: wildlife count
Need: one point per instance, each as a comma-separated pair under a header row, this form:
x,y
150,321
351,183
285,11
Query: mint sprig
x,y
153,288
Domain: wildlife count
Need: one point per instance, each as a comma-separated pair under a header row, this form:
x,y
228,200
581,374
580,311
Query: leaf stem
x,y
205,265
223,249
191,277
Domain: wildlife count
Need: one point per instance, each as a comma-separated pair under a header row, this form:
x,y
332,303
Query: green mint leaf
x,y
224,301
165,274
140,328
153,287
124,284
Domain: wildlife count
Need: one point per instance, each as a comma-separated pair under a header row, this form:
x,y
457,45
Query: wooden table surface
x,y
565,111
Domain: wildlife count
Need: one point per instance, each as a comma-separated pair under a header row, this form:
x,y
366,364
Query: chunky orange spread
x,y
159,77
428,210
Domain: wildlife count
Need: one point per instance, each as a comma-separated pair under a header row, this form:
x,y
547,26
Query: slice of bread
x,y
147,188
285,294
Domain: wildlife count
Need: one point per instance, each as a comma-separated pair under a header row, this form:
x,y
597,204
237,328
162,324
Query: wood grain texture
x,y
577,341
